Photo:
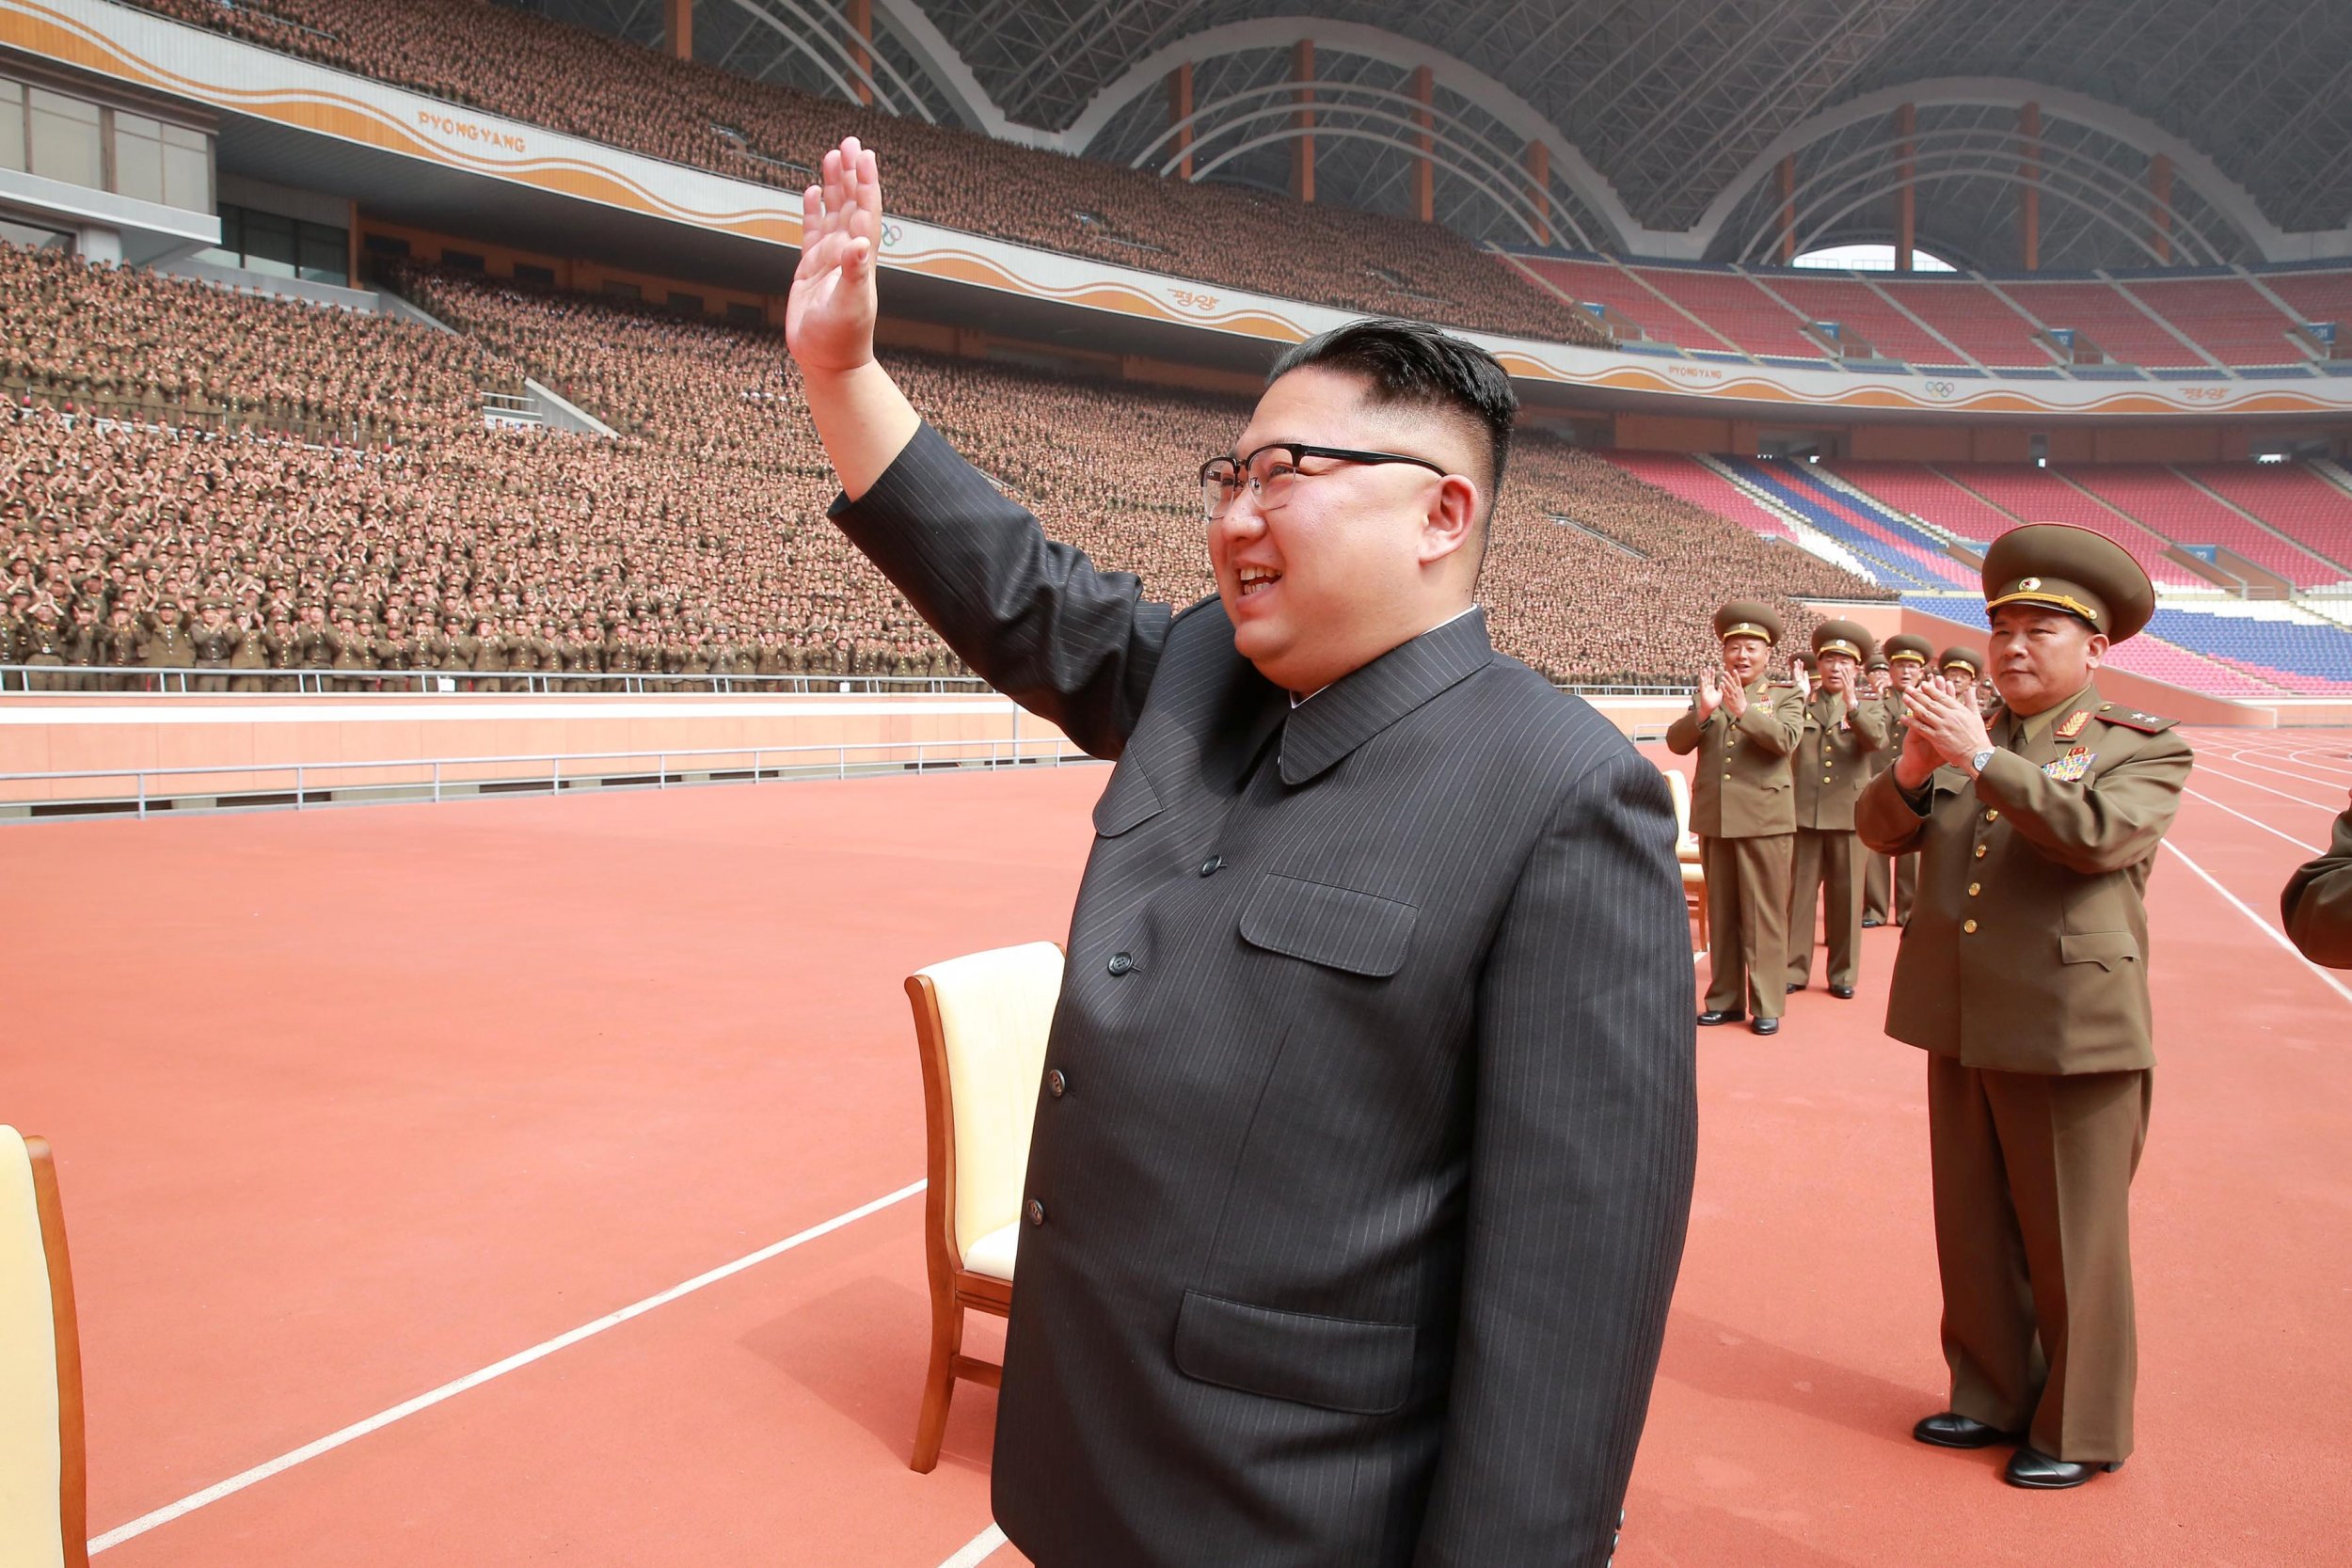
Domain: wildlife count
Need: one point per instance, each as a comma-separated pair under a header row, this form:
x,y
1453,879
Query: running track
x,y
353,1105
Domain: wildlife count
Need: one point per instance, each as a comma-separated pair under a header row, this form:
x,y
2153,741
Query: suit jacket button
x,y
1211,866
1121,963
1056,1084
1035,1212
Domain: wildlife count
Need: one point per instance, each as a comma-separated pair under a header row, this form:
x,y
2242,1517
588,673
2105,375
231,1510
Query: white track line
x,y
2245,760
2267,928
2212,772
219,1490
2307,848
977,1550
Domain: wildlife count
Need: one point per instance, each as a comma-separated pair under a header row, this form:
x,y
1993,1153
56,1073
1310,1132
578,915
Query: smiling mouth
x,y
1255,580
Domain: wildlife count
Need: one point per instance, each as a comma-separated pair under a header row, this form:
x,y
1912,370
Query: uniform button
x,y
1121,963
1970,927
1056,1084
1035,1213
1727,778
1974,888
1211,866
1979,851
1992,816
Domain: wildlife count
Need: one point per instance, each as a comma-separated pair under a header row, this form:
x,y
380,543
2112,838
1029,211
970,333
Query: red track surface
x,y
352,1103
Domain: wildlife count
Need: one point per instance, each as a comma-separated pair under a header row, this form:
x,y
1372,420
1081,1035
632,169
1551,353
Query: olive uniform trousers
x,y
2033,1175
1747,921
1876,905
1832,856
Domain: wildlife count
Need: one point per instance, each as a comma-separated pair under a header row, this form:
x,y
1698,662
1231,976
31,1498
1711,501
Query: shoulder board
x,y
2132,718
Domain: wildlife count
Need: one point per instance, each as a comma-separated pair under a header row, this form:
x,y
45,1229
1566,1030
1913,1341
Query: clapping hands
x,y
1946,728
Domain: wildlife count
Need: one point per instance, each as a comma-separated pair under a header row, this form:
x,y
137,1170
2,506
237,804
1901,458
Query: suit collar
x,y
1358,706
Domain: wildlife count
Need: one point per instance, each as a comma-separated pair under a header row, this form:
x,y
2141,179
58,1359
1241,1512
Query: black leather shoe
x,y
1843,994
1872,925
1765,1025
2031,1468
1952,1430
1709,1020
1794,987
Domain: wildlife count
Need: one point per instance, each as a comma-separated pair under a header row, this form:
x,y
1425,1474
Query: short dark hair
x,y
1413,363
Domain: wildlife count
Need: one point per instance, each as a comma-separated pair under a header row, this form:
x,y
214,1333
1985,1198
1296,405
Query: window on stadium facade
x,y
57,135
282,247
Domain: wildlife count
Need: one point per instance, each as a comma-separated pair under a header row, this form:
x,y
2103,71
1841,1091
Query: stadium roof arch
x,y
1662,124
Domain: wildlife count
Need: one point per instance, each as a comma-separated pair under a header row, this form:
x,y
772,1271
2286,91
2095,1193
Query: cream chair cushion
x,y
991,1255
31,1467
1686,842
996,1009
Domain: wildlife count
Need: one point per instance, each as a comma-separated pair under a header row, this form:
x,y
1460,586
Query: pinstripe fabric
x,y
1363,1201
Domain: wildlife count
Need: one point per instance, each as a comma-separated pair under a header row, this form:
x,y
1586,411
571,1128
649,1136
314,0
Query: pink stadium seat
x,y
2037,495
1925,491
2160,660
2107,315
1606,283
1736,307
2296,501
1850,300
2316,296
1679,474
2225,315
1974,318
2177,509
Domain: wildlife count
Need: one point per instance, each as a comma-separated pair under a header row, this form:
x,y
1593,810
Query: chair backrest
x,y
44,1516
984,1052
1679,785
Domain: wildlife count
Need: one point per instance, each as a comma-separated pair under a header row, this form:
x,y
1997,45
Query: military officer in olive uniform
x,y
2023,975
1843,730
1743,810
42,642
1887,885
167,645
2316,905
213,638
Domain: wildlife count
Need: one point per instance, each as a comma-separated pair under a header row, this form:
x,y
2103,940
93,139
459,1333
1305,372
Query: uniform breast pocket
x,y
1339,927
2110,950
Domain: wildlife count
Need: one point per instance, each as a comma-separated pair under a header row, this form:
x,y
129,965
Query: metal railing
x,y
152,680
302,785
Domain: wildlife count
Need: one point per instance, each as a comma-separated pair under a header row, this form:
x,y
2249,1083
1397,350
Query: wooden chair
x,y
1687,849
43,1503
980,1023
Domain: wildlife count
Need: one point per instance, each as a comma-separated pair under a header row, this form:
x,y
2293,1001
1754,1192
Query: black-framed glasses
x,y
1272,469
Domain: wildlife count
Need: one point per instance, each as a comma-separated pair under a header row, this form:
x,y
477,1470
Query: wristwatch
x,y
1976,763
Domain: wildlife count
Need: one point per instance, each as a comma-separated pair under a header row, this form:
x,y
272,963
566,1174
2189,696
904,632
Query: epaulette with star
x,y
2129,717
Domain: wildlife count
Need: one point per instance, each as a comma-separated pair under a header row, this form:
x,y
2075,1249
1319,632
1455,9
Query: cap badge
x,y
2073,765
2027,585
2072,724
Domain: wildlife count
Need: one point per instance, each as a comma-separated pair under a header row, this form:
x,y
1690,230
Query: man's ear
x,y
2098,647
1452,520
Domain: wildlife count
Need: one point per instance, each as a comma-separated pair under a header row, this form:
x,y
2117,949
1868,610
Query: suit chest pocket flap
x,y
1339,927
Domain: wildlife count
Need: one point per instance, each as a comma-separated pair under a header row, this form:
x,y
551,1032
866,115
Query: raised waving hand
x,y
829,319
861,416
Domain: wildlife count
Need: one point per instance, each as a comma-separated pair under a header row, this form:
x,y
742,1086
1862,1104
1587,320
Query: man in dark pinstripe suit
x,y
1364,1149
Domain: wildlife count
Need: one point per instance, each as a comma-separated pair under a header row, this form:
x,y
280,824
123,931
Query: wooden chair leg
x,y
939,1385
